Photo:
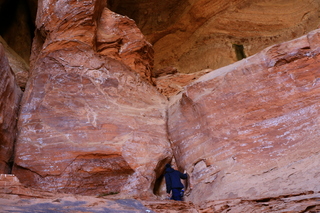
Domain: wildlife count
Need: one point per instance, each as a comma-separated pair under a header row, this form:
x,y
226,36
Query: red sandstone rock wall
x,y
19,66
252,129
199,34
10,95
120,38
89,123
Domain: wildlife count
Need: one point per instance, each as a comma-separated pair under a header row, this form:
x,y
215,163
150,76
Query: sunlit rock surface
x,y
251,129
88,122
10,95
120,38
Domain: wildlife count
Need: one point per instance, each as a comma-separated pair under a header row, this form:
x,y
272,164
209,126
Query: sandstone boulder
x,y
89,123
252,129
10,95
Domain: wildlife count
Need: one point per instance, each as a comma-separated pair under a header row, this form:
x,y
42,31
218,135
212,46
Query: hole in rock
x,y
160,182
157,186
239,50
311,208
263,200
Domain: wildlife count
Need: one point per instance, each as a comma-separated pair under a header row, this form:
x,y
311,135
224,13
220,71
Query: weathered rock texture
x,y
14,197
77,204
294,203
10,187
89,123
200,34
18,65
119,37
172,84
252,129
92,122
10,95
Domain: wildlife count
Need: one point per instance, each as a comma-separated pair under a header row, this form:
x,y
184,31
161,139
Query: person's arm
x,y
183,175
168,182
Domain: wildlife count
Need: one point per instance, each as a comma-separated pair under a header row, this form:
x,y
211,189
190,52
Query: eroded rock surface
x,y
88,122
120,38
172,84
10,95
202,34
290,203
251,129
92,123
18,65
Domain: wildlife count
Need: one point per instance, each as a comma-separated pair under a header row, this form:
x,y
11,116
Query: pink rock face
x,y
10,95
120,38
89,124
172,84
252,129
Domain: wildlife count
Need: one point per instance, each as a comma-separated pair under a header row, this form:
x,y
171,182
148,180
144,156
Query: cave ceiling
x,y
188,35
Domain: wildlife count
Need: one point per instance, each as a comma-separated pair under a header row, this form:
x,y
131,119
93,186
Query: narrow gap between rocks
x,y
17,25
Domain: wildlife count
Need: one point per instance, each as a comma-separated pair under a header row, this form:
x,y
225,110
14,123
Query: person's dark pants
x,y
176,194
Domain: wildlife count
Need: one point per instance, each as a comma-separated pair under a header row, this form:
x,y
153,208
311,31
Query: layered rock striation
x,y
251,129
89,123
120,38
92,122
202,34
10,95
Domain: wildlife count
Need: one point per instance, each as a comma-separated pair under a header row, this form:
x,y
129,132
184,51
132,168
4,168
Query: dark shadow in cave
x,y
239,49
17,25
160,170
157,184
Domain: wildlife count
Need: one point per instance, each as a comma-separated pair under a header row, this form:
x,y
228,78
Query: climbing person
x,y
173,182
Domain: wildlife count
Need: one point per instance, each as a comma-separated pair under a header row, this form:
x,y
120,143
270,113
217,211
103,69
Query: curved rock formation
x,y
119,37
251,129
201,34
88,121
92,121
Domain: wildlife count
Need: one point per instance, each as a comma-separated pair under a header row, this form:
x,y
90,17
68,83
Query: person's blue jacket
x,y
172,178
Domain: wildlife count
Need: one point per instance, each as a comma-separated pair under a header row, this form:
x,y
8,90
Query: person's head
x,y
168,165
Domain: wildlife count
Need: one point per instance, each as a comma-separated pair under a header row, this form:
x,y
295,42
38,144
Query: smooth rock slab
x,y
252,129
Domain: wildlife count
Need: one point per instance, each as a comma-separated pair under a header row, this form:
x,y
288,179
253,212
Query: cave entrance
x,y
239,50
158,185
